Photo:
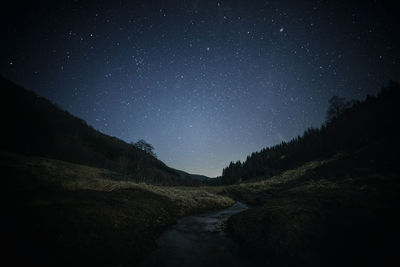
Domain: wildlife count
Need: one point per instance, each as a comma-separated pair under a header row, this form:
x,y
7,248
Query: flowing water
x,y
199,241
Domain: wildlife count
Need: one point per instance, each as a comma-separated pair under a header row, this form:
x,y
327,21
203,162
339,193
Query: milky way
x,y
205,82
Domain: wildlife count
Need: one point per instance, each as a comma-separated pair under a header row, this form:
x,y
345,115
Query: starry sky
x,y
205,82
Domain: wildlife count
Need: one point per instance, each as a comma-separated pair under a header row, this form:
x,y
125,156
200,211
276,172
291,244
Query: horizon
x,y
205,83
283,141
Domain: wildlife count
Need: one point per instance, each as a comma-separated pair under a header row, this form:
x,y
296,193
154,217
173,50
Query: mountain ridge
x,y
350,126
36,126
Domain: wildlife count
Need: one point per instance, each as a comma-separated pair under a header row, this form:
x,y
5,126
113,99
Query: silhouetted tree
x,y
146,147
336,106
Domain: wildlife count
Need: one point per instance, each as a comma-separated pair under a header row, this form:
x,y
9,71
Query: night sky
x,y
205,82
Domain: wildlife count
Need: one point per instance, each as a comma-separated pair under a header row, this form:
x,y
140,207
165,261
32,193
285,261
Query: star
x,y
231,71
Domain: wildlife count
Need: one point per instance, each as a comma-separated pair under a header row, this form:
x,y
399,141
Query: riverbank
x,y
340,212
197,241
57,213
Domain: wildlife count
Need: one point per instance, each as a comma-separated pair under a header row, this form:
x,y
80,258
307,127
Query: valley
x,y
59,213
73,196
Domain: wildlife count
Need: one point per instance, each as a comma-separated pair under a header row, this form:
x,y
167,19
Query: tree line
x,y
350,125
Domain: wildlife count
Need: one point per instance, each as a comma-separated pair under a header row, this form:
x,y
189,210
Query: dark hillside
x,y
32,125
327,198
350,126
340,212
57,213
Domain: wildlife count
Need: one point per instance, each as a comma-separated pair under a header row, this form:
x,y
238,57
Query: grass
x,y
253,193
59,213
339,212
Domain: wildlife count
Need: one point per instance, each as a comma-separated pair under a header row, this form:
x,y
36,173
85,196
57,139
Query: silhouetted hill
x,y
57,213
350,126
32,125
197,177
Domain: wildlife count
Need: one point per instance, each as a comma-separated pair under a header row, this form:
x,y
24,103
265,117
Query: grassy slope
x,y
32,125
59,213
343,211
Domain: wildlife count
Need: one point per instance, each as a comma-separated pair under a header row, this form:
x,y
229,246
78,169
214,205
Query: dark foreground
x,y
199,241
55,213
342,212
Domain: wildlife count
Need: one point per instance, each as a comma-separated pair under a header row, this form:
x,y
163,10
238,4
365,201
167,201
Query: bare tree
x,y
146,147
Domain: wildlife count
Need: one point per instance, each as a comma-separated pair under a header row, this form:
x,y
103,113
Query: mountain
x,y
350,127
197,177
57,213
32,125
327,198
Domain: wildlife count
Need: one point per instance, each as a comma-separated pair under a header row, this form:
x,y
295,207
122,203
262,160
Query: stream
x,y
199,241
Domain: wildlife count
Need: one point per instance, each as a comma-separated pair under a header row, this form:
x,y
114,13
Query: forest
x,y
349,126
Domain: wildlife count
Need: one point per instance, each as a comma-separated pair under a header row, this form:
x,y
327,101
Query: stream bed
x,y
199,241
